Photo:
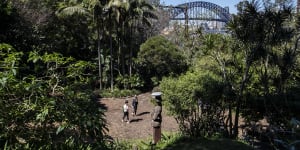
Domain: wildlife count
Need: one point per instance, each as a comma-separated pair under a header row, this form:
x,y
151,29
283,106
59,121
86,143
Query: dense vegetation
x,y
58,57
251,74
54,56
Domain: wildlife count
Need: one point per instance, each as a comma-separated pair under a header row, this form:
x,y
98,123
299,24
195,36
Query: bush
x,y
194,99
157,58
53,111
127,82
118,93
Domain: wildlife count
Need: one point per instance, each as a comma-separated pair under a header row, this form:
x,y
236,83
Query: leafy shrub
x,y
157,58
167,139
51,111
118,93
127,82
194,99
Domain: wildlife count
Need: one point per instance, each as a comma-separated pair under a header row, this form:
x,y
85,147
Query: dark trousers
x,y
134,110
125,114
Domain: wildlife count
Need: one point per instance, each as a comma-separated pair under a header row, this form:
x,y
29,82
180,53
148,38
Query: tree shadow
x,y
101,105
143,113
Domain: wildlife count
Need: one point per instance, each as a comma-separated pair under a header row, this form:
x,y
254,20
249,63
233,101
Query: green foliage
x,y
129,82
168,139
158,58
266,36
9,59
121,145
46,95
207,144
118,92
5,10
80,70
194,99
50,111
14,28
174,141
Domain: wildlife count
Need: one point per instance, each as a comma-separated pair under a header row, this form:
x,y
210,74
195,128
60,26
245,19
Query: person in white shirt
x,y
125,111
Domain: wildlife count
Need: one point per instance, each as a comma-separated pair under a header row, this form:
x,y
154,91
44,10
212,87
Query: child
x,y
125,111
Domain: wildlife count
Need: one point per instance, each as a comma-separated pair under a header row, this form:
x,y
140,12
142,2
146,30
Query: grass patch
x,y
175,141
207,144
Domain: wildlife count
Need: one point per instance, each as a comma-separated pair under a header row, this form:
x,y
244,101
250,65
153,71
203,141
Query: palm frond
x,y
147,22
72,10
151,15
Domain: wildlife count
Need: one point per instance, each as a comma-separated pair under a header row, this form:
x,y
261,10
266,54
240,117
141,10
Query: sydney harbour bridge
x,y
211,16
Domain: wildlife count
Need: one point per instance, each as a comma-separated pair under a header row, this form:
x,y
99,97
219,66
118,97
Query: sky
x,y
223,3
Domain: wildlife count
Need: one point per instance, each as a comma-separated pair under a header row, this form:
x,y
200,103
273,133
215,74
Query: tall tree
x,y
90,8
139,12
158,58
258,31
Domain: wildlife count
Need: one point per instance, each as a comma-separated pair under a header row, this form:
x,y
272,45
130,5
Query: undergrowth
x,y
117,93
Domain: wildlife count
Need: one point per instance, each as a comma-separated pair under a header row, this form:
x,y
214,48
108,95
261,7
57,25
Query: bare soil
x,y
140,125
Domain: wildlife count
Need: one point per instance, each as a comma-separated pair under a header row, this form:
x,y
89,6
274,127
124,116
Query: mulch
x,y
140,125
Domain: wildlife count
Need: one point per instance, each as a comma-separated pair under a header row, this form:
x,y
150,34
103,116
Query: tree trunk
x,y
111,58
130,48
122,51
239,99
99,57
230,120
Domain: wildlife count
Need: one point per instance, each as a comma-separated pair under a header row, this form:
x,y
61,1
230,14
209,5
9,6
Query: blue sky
x,y
223,3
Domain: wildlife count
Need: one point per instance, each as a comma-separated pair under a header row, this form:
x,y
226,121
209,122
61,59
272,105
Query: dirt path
x,y
139,127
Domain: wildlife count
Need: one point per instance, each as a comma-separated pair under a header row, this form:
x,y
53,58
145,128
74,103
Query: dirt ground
x,y
140,125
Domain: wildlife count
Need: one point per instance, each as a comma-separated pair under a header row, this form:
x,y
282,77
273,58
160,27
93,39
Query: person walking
x,y
156,117
135,103
125,111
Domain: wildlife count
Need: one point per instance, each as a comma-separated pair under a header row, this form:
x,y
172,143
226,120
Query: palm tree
x,y
139,11
101,11
259,31
246,27
108,15
96,10
123,16
98,16
121,32
113,8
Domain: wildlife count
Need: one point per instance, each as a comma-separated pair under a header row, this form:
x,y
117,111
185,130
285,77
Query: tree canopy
x,y
158,57
58,57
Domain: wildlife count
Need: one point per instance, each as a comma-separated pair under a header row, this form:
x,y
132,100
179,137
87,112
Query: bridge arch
x,y
222,14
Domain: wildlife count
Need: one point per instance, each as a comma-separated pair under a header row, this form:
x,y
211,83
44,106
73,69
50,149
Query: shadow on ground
x,y
136,120
102,106
143,113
